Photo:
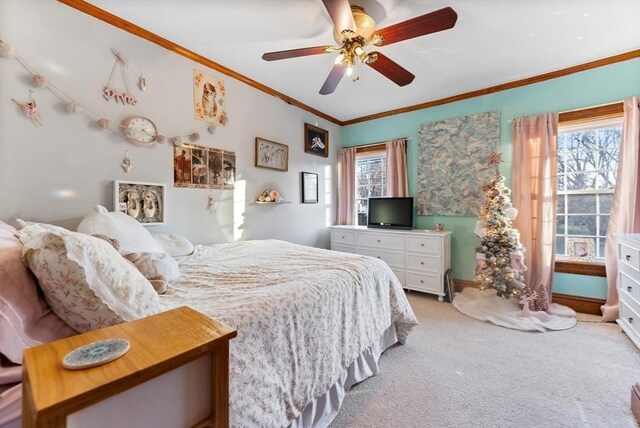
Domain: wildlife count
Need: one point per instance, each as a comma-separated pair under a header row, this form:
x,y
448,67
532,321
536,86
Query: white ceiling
x,y
493,42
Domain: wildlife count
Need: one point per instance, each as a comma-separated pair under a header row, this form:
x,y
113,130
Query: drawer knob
x,y
421,263
377,257
422,244
629,289
379,241
630,320
627,257
421,281
342,236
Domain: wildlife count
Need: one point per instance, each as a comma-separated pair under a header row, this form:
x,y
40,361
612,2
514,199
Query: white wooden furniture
x,y
418,258
629,285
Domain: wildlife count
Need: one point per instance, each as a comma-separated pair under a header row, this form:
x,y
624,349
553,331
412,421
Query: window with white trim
x,y
587,166
371,181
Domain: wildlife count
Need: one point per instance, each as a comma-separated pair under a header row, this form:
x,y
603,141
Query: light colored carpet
x,y
456,371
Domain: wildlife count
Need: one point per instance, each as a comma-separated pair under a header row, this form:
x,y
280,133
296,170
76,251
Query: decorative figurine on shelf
x,y
270,196
30,109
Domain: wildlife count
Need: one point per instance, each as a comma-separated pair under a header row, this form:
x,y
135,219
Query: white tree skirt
x,y
485,305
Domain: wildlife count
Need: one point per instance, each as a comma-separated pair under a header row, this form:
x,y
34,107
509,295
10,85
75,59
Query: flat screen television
x,y
390,213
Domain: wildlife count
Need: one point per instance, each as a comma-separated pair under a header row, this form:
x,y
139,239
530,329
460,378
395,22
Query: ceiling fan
x,y
354,29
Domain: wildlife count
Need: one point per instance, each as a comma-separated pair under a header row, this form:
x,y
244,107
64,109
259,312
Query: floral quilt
x,y
303,315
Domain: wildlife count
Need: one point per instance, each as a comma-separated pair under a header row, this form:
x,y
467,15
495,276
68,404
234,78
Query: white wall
x,y
58,172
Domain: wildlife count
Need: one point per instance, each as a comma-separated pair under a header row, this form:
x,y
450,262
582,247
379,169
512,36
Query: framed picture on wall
x,y
272,155
309,187
143,201
316,140
580,249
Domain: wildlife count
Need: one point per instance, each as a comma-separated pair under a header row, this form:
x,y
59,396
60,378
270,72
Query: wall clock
x,y
139,130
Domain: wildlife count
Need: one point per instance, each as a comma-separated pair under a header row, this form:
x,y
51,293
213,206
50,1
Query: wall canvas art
x,y
201,167
143,201
452,163
208,98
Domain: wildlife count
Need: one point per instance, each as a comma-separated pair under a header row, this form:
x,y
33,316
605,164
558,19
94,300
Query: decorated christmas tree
x,y
499,258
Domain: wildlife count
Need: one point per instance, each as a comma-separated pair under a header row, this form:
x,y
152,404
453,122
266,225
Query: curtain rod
x,y
382,142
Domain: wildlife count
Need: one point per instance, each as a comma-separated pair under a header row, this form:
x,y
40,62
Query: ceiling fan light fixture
x,y
339,58
365,25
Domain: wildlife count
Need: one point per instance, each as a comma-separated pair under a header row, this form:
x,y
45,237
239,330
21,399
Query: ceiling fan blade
x,y
391,70
293,53
333,79
433,22
340,13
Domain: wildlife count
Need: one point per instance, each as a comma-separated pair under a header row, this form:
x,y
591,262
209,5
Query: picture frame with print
x,y
581,249
316,140
272,155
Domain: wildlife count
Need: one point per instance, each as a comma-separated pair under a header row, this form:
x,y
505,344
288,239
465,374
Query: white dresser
x,y
629,285
418,258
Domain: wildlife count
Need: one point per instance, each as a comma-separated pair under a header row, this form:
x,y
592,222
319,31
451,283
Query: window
x,y
371,181
587,166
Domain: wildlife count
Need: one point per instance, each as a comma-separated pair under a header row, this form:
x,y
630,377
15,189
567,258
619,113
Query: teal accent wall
x,y
602,85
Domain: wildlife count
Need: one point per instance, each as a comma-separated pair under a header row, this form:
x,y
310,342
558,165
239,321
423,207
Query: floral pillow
x,y
85,280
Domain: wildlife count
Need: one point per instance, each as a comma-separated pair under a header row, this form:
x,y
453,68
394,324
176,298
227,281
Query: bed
x,y
311,323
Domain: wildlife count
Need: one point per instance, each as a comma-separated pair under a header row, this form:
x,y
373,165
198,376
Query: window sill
x,y
580,268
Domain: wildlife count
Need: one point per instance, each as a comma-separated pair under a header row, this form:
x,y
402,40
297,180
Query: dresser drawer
x,y
423,262
343,248
629,315
343,237
629,255
424,244
628,285
381,240
394,260
428,282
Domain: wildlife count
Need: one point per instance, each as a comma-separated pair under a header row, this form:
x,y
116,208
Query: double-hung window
x,y
587,165
371,181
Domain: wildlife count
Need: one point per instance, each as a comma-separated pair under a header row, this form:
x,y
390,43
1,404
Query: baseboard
x,y
585,305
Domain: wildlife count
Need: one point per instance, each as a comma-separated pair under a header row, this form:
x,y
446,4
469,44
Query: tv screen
x,y
391,213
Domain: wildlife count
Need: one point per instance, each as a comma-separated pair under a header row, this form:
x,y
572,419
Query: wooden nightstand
x,y
176,372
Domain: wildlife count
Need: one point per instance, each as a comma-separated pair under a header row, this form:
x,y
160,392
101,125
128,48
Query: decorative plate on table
x,y
95,354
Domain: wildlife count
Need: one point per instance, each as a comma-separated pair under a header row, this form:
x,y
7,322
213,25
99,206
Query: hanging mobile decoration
x,y
126,162
142,82
110,92
30,109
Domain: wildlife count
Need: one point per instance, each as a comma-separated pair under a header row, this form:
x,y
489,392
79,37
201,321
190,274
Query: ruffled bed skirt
x,y
320,412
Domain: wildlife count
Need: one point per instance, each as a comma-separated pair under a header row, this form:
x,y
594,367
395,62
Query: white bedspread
x,y
302,314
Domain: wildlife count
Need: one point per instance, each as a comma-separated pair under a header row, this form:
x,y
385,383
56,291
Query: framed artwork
x,y
316,140
201,167
143,201
580,249
208,98
272,155
309,187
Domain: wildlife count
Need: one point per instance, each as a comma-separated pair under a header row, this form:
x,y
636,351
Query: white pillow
x,y
84,279
174,245
132,235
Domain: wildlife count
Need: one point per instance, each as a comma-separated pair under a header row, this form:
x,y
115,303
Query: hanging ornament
x,y
224,119
195,136
103,123
30,109
6,50
72,107
39,81
160,139
126,162
142,82
110,92
212,204
177,141
211,129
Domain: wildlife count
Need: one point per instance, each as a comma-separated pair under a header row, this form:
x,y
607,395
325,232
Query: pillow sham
x,y
173,244
26,319
132,235
87,283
